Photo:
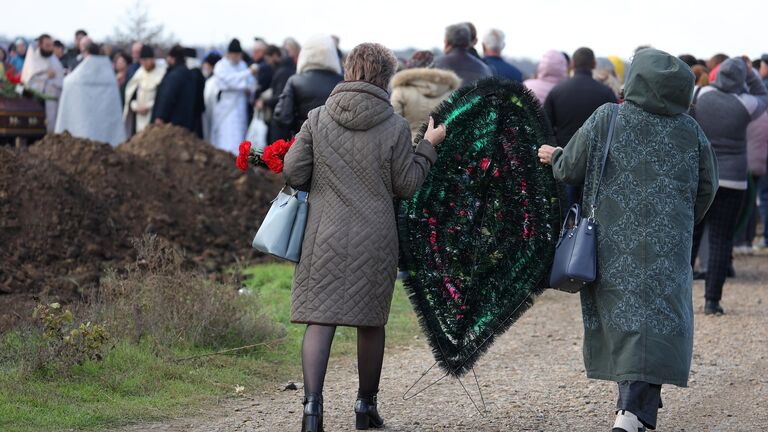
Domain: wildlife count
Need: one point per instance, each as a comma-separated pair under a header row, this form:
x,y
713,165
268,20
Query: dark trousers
x,y
721,219
569,195
641,399
747,230
762,194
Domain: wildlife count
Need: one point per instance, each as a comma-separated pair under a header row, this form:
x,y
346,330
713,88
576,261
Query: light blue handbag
x,y
282,230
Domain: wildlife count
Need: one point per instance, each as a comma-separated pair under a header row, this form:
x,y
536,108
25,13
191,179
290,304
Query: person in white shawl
x,y
234,82
90,101
44,73
140,92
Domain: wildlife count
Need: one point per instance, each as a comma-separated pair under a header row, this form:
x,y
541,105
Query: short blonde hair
x,y
371,62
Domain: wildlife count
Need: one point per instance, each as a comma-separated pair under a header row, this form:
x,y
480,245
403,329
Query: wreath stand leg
x,y
406,396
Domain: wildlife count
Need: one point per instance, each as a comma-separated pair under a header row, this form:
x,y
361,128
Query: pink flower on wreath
x,y
432,221
452,291
485,163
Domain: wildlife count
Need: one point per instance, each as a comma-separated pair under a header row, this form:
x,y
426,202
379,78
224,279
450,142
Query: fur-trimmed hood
x,y
429,82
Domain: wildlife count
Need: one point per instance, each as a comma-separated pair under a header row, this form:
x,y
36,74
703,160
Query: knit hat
x,y
212,58
146,52
177,52
234,47
420,59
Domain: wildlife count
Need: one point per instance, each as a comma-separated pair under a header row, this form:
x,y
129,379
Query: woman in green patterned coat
x,y
659,180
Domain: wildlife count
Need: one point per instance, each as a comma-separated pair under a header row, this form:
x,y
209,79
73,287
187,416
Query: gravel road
x,y
533,378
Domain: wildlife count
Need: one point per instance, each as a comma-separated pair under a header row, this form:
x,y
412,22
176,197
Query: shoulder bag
x,y
575,263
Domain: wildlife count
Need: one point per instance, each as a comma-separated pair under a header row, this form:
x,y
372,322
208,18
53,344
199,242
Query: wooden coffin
x,y
21,117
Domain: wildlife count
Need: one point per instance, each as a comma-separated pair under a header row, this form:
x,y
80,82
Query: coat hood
x,y
731,76
552,67
429,82
359,105
320,53
659,83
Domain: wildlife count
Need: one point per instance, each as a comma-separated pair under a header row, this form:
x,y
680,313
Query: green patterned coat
x,y
660,178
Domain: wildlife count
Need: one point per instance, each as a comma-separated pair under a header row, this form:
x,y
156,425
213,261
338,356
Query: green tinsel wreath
x,y
478,238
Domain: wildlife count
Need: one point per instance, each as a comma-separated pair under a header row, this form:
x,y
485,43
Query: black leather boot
x,y
712,307
313,413
366,414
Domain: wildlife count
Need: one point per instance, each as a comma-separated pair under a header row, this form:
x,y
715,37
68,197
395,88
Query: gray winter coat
x,y
357,153
724,110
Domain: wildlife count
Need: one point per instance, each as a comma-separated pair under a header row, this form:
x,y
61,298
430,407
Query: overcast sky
x,y
609,27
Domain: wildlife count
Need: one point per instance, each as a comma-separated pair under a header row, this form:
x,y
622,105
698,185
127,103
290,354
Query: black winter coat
x,y
176,98
572,102
284,71
303,93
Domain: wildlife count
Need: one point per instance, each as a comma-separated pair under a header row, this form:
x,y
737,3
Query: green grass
x,y
275,295
136,384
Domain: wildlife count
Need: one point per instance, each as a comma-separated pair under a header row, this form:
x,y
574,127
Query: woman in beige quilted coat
x,y
356,155
416,91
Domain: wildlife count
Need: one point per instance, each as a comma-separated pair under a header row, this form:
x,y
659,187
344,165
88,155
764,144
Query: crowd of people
x,y
691,146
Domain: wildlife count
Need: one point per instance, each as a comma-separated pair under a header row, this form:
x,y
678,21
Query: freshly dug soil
x,y
70,207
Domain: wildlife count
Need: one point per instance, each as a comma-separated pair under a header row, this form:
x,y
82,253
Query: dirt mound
x,y
228,205
69,207
54,233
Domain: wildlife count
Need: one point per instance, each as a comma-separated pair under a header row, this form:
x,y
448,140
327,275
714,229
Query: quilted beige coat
x,y
358,156
416,92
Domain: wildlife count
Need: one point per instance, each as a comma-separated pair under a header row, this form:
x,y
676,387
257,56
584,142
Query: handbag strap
x,y
608,140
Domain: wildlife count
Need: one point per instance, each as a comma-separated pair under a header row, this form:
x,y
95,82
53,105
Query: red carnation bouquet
x,y
272,157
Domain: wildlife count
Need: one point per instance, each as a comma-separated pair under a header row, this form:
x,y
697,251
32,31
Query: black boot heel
x,y
362,422
366,414
313,413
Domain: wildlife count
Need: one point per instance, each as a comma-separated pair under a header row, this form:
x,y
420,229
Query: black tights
x,y
316,349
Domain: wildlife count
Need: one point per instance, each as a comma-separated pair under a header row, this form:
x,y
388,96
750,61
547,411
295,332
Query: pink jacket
x,y
552,69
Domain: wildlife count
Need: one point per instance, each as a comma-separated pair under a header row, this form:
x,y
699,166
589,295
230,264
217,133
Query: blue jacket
x,y
503,69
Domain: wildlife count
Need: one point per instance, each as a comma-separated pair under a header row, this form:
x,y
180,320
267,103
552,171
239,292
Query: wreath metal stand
x,y
406,396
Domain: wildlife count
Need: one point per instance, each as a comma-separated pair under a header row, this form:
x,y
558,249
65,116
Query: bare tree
x,y
138,26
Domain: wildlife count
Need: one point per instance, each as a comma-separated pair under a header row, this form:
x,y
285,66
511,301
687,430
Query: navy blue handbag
x,y
575,263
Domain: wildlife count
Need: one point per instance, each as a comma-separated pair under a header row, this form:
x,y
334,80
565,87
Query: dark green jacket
x,y
660,178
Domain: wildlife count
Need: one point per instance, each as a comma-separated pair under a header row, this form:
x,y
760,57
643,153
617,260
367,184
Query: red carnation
x,y
12,77
274,154
485,163
242,162
245,148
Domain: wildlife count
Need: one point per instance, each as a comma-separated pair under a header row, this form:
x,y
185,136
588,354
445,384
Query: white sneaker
x,y
743,250
627,422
